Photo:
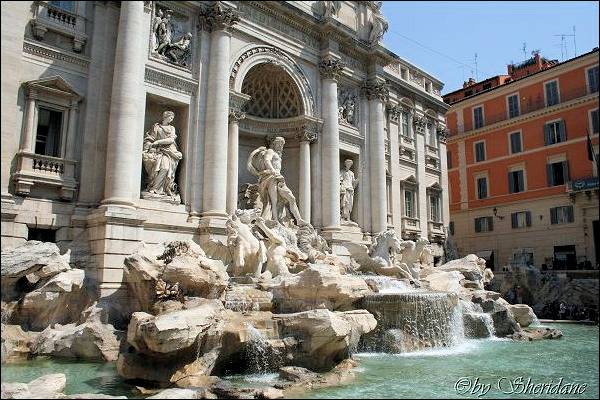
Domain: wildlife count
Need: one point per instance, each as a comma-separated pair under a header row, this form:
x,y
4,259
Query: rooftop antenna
x,y
563,44
476,72
524,49
574,41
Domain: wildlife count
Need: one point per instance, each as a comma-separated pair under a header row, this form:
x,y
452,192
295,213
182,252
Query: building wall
x,y
575,104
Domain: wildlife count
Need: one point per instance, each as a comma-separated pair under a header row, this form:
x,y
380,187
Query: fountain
x,y
477,324
413,321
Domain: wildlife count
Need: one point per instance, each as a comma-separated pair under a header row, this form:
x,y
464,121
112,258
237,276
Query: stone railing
x,y
407,139
435,230
431,149
37,169
410,224
47,17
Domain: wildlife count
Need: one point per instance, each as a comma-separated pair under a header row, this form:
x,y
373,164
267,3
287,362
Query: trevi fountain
x,y
242,199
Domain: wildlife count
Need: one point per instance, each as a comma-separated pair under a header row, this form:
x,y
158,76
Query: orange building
x,y
523,189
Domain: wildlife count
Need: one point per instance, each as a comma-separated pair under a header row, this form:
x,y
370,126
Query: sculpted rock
x,y
445,281
248,298
45,387
318,286
176,393
472,268
326,337
59,300
90,341
504,322
530,334
16,344
183,264
380,257
30,264
522,313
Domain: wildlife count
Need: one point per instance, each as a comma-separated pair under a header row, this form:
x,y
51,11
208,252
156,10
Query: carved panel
x,y
348,105
170,36
169,81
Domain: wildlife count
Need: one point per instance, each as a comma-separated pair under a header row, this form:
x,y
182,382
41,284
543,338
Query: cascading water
x,y
260,355
388,285
477,324
413,321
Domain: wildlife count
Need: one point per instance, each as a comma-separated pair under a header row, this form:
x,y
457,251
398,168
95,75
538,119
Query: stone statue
x,y
274,193
331,8
276,249
379,27
160,158
177,52
347,185
347,109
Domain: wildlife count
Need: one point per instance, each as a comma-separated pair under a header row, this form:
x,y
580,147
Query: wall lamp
x,y
495,210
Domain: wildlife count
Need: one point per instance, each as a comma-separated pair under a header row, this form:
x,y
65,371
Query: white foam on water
x,y
465,347
261,378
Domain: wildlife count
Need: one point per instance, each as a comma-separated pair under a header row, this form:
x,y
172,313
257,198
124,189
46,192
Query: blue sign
x,y
584,184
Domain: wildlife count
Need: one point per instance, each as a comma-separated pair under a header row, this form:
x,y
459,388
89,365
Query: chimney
x,y
470,82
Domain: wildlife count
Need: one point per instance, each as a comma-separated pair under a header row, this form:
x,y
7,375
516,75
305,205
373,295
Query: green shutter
x,y
490,223
549,175
565,165
511,182
553,215
477,225
528,218
570,214
562,128
514,220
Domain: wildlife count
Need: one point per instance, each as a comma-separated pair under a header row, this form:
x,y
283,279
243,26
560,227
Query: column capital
x,y
375,89
218,17
419,123
394,111
442,133
236,115
330,67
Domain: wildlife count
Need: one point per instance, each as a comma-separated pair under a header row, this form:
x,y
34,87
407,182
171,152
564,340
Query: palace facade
x,y
130,122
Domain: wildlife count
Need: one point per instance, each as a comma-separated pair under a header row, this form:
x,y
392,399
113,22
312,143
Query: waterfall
x,y
413,321
260,355
477,323
387,285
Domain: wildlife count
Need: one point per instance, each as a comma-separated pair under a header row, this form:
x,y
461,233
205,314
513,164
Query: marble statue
x,y
348,183
379,27
160,158
155,24
163,31
274,193
415,255
331,8
276,249
179,52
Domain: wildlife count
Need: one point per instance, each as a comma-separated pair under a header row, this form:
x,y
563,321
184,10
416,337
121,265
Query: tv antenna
x,y
564,50
524,49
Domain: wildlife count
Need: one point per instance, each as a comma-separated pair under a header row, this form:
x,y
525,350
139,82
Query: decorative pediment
x,y
54,85
434,188
410,180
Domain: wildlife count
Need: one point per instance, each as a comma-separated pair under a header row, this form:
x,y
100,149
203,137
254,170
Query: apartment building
x,y
522,177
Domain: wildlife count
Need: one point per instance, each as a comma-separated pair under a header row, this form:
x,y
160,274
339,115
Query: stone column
x,y
28,129
442,133
330,69
72,130
218,20
377,94
395,115
232,159
419,124
124,131
306,137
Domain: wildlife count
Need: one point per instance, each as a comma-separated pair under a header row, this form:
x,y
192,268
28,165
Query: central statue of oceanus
x,y
274,194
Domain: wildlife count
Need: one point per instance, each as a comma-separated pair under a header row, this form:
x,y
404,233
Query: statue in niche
x,y
331,8
160,158
348,183
177,52
273,192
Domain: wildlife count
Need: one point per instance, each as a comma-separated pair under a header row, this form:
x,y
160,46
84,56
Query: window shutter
x,y
570,214
553,216
528,218
477,225
547,134
550,175
563,130
565,165
490,223
511,182
520,181
514,220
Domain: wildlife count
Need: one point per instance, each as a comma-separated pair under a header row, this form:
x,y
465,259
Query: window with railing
x,y
405,125
558,173
409,204
434,207
47,139
513,106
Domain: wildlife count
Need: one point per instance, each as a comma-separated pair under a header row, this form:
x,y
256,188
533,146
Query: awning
x,y
486,254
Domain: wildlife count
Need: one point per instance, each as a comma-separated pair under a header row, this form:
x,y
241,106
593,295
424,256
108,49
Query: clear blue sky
x,y
494,30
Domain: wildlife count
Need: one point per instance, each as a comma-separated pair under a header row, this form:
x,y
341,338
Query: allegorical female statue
x,y
348,183
161,157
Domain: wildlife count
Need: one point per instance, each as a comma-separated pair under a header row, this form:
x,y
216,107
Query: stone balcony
x,y
41,170
410,227
47,17
435,231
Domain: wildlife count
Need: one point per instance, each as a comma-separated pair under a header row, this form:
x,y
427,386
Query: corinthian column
x,y
218,20
330,69
306,136
377,94
123,148
232,159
